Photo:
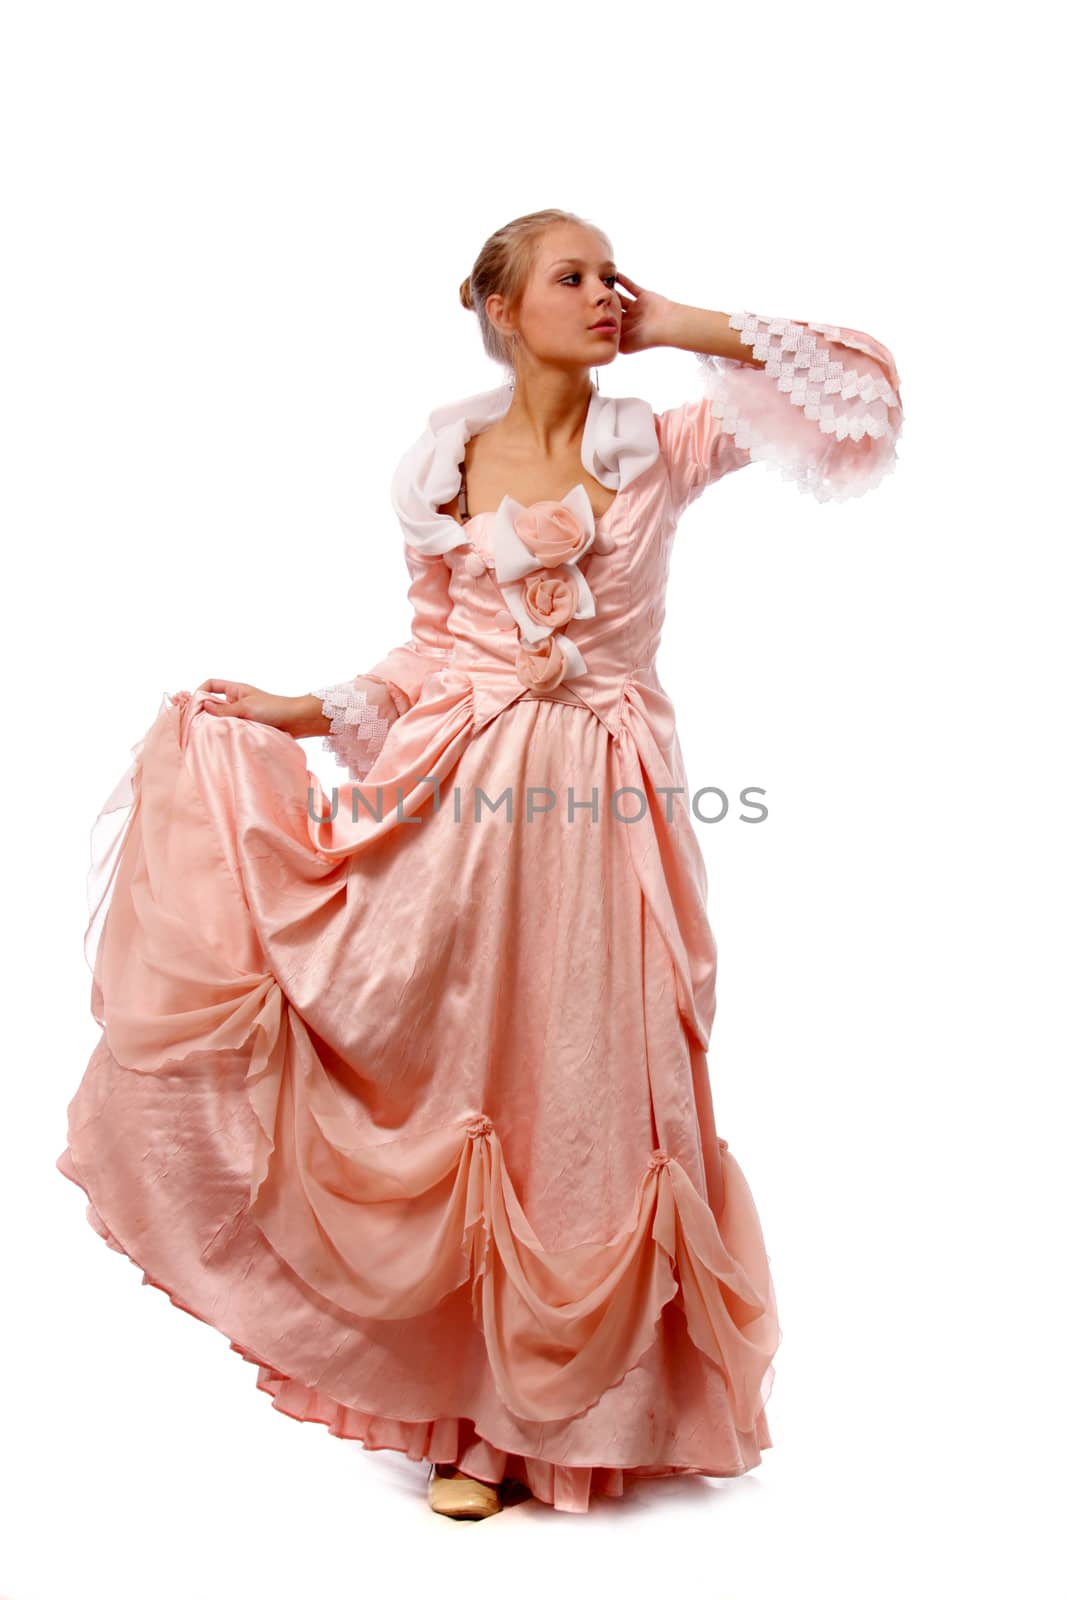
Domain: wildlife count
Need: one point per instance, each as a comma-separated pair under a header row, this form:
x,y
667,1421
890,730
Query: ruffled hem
x,y
445,1440
823,410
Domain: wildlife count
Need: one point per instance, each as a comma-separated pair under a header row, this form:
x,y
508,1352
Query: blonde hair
x,y
503,267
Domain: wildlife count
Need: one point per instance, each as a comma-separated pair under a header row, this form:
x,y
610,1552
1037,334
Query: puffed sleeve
x,y
820,404
364,708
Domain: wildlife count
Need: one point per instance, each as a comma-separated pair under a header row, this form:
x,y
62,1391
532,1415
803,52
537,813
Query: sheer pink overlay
x,y
413,1105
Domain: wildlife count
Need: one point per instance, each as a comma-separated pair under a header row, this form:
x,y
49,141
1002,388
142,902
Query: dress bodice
x,y
596,617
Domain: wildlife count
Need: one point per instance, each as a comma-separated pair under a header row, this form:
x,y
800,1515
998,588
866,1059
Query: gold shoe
x,y
462,1497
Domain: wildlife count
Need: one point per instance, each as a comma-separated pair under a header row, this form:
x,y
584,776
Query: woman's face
x,y
571,287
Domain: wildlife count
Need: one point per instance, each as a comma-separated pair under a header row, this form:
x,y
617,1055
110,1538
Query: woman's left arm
x,y
707,333
818,402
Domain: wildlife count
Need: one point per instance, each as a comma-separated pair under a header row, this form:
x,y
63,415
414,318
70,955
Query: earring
x,y
596,378
511,379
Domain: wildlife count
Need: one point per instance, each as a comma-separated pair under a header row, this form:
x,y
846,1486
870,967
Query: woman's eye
x,y
611,278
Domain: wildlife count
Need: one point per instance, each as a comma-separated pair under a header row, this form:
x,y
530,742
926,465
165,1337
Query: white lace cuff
x,y
361,712
824,408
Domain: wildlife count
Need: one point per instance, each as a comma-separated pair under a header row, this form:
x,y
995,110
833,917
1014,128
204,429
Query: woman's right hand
x,y
286,712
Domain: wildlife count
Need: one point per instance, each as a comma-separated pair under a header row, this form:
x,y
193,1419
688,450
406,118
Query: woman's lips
x,y
603,327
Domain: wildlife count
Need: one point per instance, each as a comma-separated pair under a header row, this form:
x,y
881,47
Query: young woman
x,y
406,1091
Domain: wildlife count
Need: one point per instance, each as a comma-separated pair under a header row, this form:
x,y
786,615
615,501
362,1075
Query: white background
x,y
234,239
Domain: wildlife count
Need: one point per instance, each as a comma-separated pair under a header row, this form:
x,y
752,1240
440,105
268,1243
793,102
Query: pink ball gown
x,y
404,1088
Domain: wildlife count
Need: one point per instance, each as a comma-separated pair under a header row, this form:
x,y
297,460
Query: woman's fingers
x,y
233,691
220,708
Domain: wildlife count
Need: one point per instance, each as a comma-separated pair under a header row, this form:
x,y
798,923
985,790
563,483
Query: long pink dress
x,y
407,1095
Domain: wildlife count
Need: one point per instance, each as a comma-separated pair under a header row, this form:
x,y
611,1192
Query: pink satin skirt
x,y
422,1130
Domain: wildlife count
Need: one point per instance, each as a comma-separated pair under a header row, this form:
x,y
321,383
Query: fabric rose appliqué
x,y
536,549
551,598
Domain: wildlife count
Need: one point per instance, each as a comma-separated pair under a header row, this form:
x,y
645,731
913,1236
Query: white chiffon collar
x,y
619,442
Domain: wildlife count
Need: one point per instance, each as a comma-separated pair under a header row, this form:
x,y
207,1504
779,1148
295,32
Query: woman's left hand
x,y
645,318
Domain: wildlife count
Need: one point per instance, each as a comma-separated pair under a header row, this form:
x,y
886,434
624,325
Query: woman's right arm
x,y
355,716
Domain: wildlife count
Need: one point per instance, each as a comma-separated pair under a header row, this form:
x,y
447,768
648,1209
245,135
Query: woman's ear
x,y
496,311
